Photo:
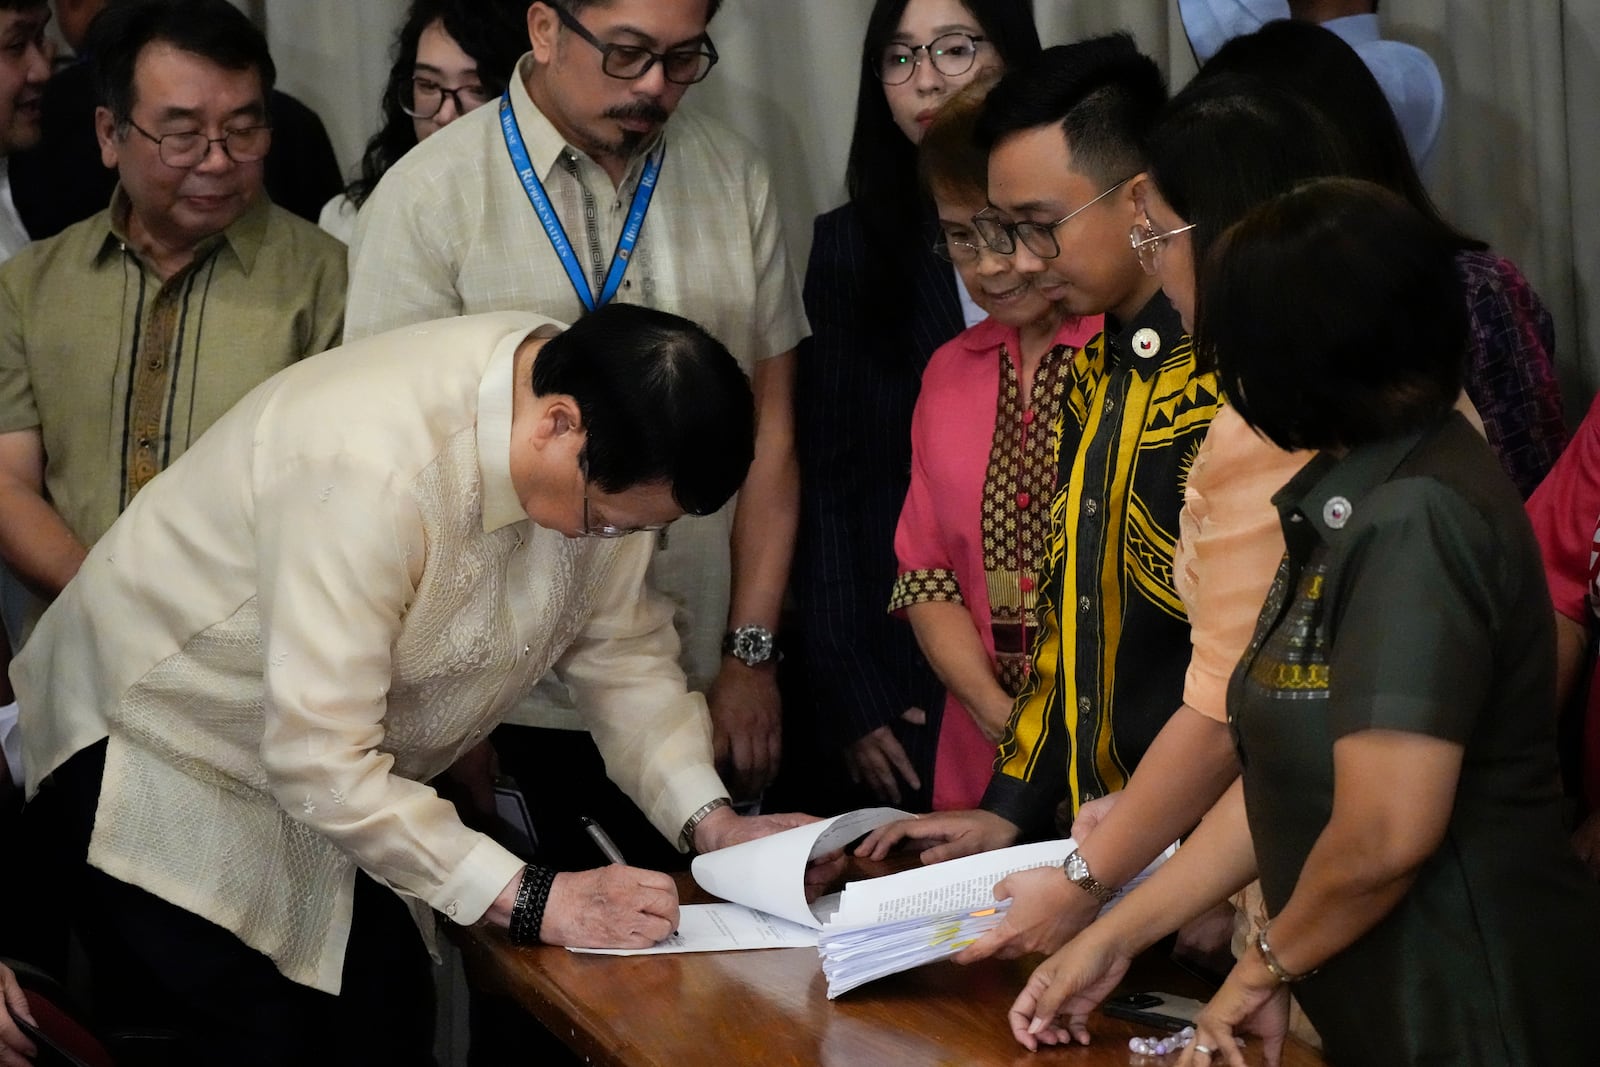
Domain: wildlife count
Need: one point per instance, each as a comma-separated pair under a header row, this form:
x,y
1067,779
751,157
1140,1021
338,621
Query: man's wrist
x,y
752,644
695,832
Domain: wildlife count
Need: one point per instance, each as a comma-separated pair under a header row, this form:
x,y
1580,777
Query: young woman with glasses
x,y
984,440
879,302
451,56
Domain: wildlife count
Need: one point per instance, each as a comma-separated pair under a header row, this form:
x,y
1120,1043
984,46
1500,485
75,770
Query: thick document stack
x,y
875,926
891,924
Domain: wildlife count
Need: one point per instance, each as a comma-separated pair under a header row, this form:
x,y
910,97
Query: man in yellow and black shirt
x,y
1065,176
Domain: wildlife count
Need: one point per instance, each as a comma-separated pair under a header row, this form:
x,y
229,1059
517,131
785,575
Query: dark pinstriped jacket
x,y
858,378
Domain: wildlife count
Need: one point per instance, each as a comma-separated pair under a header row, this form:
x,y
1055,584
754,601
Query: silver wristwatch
x,y
751,645
1077,871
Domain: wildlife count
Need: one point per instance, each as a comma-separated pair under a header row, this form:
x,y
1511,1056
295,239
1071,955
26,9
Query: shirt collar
x,y
1131,341
1325,493
544,142
245,236
1356,29
501,506
984,337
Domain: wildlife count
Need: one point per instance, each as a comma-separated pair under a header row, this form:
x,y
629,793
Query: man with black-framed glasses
x,y
588,184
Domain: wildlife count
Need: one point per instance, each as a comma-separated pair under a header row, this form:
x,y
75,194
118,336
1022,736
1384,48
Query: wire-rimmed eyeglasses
x,y
1147,243
1037,237
605,529
249,144
952,54
682,66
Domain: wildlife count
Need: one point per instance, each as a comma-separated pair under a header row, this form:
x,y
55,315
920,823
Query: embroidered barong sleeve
x,y
779,310
338,551
623,670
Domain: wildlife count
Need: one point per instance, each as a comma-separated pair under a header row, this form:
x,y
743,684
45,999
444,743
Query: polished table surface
x,y
772,1007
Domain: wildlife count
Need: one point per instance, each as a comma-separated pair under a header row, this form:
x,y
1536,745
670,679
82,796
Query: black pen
x,y
602,841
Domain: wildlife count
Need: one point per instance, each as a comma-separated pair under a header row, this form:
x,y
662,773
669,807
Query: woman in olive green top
x,y
1394,711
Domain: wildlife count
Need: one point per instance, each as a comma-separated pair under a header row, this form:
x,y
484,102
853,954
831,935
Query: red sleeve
x,y
1565,511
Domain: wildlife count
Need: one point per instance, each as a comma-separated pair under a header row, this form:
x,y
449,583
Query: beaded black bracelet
x,y
527,911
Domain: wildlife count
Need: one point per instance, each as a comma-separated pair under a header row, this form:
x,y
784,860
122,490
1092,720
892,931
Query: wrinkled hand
x,y
1586,842
1046,912
725,827
879,760
746,726
1250,1001
473,776
15,1049
1053,1008
942,836
1092,814
610,907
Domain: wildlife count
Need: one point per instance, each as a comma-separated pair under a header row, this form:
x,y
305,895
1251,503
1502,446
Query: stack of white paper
x,y
875,927
887,925
851,957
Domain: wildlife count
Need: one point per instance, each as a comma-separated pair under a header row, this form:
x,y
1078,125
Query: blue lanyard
x,y
552,225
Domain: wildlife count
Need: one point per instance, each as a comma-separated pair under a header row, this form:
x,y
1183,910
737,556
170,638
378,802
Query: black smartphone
x,y
1153,1009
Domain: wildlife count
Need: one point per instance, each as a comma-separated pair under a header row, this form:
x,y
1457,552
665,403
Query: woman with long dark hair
x,y
451,57
880,302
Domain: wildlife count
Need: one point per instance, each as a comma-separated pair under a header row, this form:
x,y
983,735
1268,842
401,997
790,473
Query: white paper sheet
x,y
721,928
769,874
954,885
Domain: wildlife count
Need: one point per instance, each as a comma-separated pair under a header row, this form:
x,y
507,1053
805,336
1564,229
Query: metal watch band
x,y
1078,873
686,835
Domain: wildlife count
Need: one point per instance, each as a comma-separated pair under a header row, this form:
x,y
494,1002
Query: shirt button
x,y
1083,604
452,908
1088,796
144,444
1091,508
1025,584
155,364
1110,404
1023,500
1027,417
1083,705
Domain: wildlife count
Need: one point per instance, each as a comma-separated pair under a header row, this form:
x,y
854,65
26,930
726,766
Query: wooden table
x,y
771,1007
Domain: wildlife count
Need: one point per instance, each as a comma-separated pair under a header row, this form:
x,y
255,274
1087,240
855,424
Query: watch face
x,y
1076,868
752,644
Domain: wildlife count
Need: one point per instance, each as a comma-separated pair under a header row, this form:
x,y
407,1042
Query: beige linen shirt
x,y
318,610
450,231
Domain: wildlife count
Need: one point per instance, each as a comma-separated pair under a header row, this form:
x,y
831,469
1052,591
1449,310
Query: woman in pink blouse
x,y
984,441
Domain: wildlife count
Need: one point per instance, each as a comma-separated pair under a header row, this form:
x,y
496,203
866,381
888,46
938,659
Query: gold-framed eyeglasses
x,y
684,65
422,98
952,54
607,530
248,144
1037,237
1147,243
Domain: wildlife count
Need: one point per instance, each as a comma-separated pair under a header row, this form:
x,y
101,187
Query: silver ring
x,y
1204,1051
